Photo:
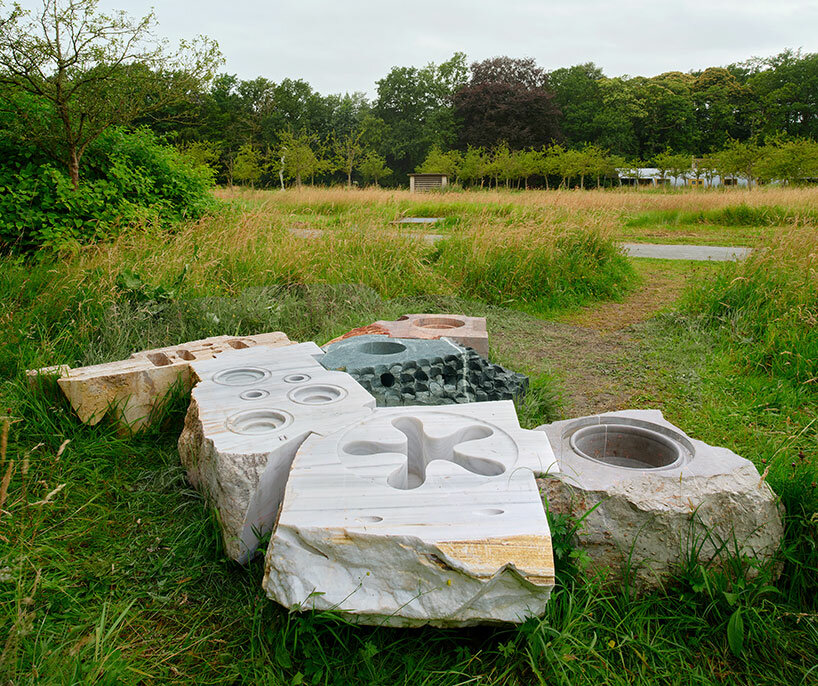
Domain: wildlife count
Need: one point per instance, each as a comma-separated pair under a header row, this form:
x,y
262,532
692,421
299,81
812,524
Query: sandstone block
x,y
130,390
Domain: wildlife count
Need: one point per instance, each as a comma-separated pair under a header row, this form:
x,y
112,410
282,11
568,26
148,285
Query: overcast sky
x,y
346,45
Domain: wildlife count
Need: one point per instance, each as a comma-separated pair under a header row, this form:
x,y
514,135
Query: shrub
x,y
129,178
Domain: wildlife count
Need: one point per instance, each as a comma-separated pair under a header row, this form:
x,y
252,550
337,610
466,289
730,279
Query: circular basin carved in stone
x,y
261,421
623,445
240,376
317,394
382,348
439,323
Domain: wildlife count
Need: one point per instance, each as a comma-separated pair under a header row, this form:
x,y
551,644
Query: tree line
x,y
508,111
69,74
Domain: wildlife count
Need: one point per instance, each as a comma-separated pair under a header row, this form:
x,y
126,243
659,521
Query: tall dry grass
x,y
769,305
612,200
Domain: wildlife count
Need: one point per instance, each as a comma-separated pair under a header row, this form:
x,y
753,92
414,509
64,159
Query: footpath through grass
x,y
110,565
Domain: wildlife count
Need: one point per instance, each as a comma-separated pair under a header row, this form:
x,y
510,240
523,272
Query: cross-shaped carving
x,y
422,449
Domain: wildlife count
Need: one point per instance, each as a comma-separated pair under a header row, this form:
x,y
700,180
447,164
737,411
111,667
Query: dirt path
x,y
595,352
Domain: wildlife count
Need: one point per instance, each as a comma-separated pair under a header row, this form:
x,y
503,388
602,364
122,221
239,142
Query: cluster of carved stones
x,y
460,377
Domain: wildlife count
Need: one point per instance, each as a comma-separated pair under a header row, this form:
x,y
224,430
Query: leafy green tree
x,y
416,106
248,165
439,162
346,153
674,164
788,161
69,73
373,167
579,97
739,159
474,166
300,160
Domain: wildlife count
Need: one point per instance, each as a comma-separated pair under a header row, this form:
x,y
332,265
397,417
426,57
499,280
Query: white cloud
x,y
346,46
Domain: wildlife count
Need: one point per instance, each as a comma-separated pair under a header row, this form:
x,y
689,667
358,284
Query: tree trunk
x,y
74,168
349,178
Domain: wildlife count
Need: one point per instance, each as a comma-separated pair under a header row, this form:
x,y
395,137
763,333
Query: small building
x,y
651,176
418,183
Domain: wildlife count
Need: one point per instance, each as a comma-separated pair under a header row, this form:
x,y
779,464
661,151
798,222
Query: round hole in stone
x,y
382,348
254,422
240,376
439,323
317,394
490,512
387,380
296,378
370,519
254,394
631,447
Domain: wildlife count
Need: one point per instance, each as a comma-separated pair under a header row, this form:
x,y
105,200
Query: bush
x,y
127,178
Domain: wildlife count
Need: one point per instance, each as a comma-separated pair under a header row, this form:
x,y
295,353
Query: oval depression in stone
x,y
240,376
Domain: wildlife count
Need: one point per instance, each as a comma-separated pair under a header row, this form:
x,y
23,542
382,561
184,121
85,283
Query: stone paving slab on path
x,y
713,253
699,253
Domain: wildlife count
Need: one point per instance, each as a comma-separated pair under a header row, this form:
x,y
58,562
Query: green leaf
x,y
731,598
735,633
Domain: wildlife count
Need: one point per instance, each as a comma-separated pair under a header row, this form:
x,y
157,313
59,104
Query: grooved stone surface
x,y
250,411
652,494
422,372
417,516
129,390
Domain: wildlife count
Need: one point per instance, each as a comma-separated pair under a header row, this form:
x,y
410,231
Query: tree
x,y
506,100
248,165
300,160
676,165
346,150
70,73
439,162
373,167
739,159
416,107
788,161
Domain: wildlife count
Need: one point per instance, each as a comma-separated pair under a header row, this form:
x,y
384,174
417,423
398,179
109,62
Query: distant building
x,y
650,176
418,183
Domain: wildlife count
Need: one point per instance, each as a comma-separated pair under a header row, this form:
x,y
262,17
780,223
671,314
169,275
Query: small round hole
x,y
439,323
387,380
255,394
490,512
296,378
372,519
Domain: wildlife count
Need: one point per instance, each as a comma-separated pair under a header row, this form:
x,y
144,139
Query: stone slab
x,y
653,495
468,331
129,391
703,253
250,411
417,516
402,371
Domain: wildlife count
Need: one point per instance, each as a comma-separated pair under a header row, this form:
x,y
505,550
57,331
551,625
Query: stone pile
x,y
390,494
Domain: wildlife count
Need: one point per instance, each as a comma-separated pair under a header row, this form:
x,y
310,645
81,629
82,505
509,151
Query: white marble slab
x,y
417,516
250,411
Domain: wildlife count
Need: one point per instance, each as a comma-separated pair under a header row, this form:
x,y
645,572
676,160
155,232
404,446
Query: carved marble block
x,y
250,411
416,516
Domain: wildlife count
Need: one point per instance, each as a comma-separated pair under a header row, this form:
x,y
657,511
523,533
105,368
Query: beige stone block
x,y
131,390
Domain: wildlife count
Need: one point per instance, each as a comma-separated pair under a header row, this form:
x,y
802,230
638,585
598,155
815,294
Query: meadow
x,y
110,564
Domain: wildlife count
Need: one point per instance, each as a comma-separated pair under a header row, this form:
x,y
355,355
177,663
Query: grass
x,y
711,217
110,564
